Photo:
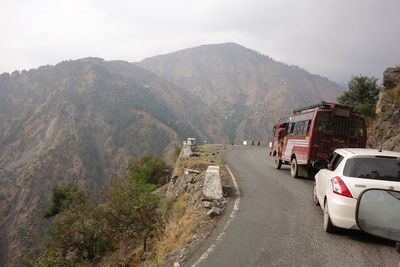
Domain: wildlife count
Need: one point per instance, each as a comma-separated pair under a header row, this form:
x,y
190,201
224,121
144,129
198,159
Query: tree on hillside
x,y
84,230
362,94
64,197
149,168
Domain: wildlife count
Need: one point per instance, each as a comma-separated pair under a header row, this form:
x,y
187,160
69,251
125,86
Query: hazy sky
x,y
332,38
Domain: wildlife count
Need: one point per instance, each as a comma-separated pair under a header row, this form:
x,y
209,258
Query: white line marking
x,y
235,209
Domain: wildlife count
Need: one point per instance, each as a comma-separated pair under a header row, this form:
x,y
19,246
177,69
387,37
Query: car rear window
x,y
373,168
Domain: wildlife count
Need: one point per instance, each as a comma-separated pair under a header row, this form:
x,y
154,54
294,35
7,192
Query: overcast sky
x,y
332,38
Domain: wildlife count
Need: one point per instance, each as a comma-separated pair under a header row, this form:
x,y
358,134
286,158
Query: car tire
x,y
294,168
277,162
328,226
315,199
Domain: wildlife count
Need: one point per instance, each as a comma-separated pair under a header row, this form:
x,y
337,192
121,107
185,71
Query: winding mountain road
x,y
277,224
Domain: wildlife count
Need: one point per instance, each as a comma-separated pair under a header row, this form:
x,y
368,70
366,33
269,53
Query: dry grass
x,y
180,218
395,92
202,162
178,229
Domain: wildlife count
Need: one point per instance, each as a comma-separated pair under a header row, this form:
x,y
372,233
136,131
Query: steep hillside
x,y
385,130
249,90
79,122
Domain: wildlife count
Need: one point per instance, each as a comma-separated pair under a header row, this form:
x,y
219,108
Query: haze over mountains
x,y
81,121
248,90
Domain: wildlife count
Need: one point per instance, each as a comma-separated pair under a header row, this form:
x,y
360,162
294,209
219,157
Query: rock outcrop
x,y
385,130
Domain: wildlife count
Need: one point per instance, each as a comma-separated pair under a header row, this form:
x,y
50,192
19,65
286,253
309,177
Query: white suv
x,y
351,171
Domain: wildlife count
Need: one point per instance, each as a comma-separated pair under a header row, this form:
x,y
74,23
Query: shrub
x,y
396,95
62,198
131,207
150,169
83,231
79,234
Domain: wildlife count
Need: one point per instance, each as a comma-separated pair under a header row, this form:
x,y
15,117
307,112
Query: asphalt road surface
x,y
277,224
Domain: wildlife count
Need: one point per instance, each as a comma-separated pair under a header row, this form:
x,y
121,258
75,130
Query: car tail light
x,y
340,188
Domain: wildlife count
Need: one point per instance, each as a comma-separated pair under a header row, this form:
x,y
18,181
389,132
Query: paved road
x,y
278,225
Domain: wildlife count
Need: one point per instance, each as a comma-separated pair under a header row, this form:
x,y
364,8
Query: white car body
x,y
341,209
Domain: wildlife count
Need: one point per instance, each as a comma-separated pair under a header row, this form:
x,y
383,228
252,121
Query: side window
x,y
291,129
295,127
336,161
306,128
298,129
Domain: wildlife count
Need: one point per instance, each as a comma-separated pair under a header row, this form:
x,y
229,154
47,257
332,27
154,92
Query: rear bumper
x,y
342,211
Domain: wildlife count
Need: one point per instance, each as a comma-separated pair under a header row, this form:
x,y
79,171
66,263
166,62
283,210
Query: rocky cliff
x,y
385,130
80,122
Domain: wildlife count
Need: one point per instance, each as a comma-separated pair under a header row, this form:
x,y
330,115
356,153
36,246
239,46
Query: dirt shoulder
x,y
186,232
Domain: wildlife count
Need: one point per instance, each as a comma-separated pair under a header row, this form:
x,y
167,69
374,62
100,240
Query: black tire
x,y
315,199
328,226
277,162
294,168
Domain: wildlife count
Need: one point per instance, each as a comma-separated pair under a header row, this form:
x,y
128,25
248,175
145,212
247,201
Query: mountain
x,y
79,122
249,91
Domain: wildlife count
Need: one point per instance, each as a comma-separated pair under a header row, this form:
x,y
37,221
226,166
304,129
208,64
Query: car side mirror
x,y
378,214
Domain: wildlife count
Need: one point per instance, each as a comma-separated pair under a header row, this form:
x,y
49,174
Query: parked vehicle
x,y
378,214
349,173
306,139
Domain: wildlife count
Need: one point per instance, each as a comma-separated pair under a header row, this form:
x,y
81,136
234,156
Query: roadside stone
x,y
207,204
188,171
214,212
186,151
212,189
176,264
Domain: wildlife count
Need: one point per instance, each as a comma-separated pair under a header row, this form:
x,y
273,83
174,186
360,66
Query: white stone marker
x,y
212,188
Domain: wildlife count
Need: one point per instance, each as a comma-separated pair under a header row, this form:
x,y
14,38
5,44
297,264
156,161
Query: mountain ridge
x,y
80,121
228,76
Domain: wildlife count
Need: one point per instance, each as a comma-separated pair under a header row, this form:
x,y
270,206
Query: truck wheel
x,y
277,162
294,168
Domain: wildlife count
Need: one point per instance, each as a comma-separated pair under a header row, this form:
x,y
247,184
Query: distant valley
x,y
80,121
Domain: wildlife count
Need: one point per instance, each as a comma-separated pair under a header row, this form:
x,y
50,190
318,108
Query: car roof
x,y
356,152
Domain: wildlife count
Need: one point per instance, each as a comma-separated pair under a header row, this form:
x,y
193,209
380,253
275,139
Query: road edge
x,y
221,235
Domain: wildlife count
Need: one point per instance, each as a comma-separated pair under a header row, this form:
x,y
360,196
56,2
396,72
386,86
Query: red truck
x,y
306,139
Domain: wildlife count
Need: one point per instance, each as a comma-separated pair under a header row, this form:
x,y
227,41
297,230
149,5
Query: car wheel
x,y
277,162
315,199
328,226
294,168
